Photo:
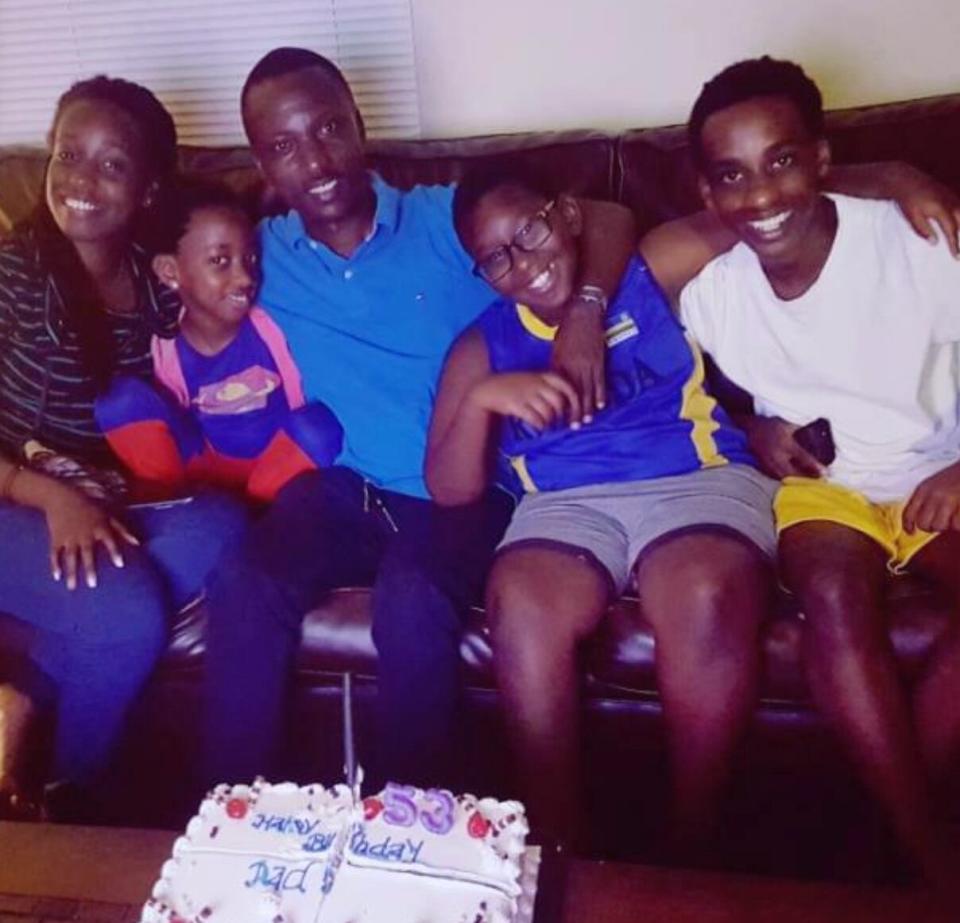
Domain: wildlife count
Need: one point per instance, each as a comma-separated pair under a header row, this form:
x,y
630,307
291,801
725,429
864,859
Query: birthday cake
x,y
290,854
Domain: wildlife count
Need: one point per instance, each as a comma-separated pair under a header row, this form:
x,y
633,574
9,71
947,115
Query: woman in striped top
x,y
78,304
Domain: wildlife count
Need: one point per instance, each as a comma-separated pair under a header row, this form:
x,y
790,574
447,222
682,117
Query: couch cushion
x,y
656,177
618,660
335,639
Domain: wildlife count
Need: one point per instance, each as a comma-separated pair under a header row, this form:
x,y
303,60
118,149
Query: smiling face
x,y
761,175
542,277
96,179
307,138
215,268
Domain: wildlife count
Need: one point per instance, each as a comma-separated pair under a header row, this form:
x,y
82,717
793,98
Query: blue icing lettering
x,y
278,877
296,879
358,842
261,876
327,880
405,851
284,823
415,849
319,842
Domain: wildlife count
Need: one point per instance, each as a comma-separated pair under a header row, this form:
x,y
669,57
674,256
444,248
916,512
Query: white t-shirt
x,y
871,346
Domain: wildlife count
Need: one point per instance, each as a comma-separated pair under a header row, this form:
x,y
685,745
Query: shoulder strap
x,y
167,369
272,335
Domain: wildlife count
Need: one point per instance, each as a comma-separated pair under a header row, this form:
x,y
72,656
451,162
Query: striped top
x,y
659,419
45,392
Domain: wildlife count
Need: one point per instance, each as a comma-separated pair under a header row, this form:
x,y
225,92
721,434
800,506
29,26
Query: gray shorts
x,y
614,523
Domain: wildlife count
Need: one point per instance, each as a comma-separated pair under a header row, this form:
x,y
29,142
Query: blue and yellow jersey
x,y
659,419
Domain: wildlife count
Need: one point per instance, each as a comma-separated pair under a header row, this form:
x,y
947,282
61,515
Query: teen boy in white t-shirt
x,y
831,307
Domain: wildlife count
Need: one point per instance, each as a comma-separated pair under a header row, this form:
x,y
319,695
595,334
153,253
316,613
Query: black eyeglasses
x,y
532,236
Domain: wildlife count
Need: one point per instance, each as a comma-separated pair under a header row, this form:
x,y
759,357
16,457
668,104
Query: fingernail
x,y
57,575
91,581
575,424
588,418
601,405
71,583
118,561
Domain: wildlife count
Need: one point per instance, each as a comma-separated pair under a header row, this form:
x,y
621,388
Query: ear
x,y
570,211
166,270
824,157
705,191
361,128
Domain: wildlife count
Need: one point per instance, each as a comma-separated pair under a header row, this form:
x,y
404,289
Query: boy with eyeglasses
x,y
660,490
369,285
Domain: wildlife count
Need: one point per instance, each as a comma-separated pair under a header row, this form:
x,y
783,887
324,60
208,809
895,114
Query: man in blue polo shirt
x,y
370,330
370,286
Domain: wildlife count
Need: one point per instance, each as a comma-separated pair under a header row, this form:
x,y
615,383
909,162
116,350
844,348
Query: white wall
x,y
509,65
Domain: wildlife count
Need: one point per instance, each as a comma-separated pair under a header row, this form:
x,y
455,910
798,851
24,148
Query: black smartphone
x,y
817,439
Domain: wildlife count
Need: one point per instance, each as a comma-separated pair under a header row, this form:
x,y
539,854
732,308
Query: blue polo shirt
x,y
369,333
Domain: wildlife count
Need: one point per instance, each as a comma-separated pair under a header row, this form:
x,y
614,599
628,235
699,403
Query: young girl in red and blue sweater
x,y
228,406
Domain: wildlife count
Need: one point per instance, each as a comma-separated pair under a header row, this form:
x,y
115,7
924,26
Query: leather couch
x,y
791,779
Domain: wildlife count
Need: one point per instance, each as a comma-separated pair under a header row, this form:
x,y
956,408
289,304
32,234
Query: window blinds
x,y
195,55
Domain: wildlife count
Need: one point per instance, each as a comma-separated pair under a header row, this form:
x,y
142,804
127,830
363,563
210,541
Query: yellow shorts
x,y
811,500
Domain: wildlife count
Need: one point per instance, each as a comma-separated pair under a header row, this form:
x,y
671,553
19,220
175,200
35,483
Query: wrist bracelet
x,y
591,294
8,480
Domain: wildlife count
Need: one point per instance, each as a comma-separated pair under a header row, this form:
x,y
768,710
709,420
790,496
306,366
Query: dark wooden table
x,y
51,873
608,892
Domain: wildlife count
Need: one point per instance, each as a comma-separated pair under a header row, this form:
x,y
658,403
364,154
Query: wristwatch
x,y
592,294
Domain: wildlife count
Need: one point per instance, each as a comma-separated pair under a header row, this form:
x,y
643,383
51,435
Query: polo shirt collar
x,y
386,217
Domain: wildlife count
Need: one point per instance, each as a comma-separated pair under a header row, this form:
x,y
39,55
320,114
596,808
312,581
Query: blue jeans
x,y
95,648
328,529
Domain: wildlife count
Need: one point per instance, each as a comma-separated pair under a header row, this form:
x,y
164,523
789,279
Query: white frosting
x,y
289,854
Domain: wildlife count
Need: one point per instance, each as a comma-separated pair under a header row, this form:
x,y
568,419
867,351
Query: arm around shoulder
x,y
609,239
925,202
677,250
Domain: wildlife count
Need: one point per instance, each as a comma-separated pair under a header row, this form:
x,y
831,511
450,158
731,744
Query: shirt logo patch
x,y
241,392
623,328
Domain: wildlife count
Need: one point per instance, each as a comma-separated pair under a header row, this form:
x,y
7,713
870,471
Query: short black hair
x,y
186,198
484,179
287,60
747,80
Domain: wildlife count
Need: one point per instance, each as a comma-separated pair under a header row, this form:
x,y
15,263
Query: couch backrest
x,y
655,176
21,173
647,169
579,161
